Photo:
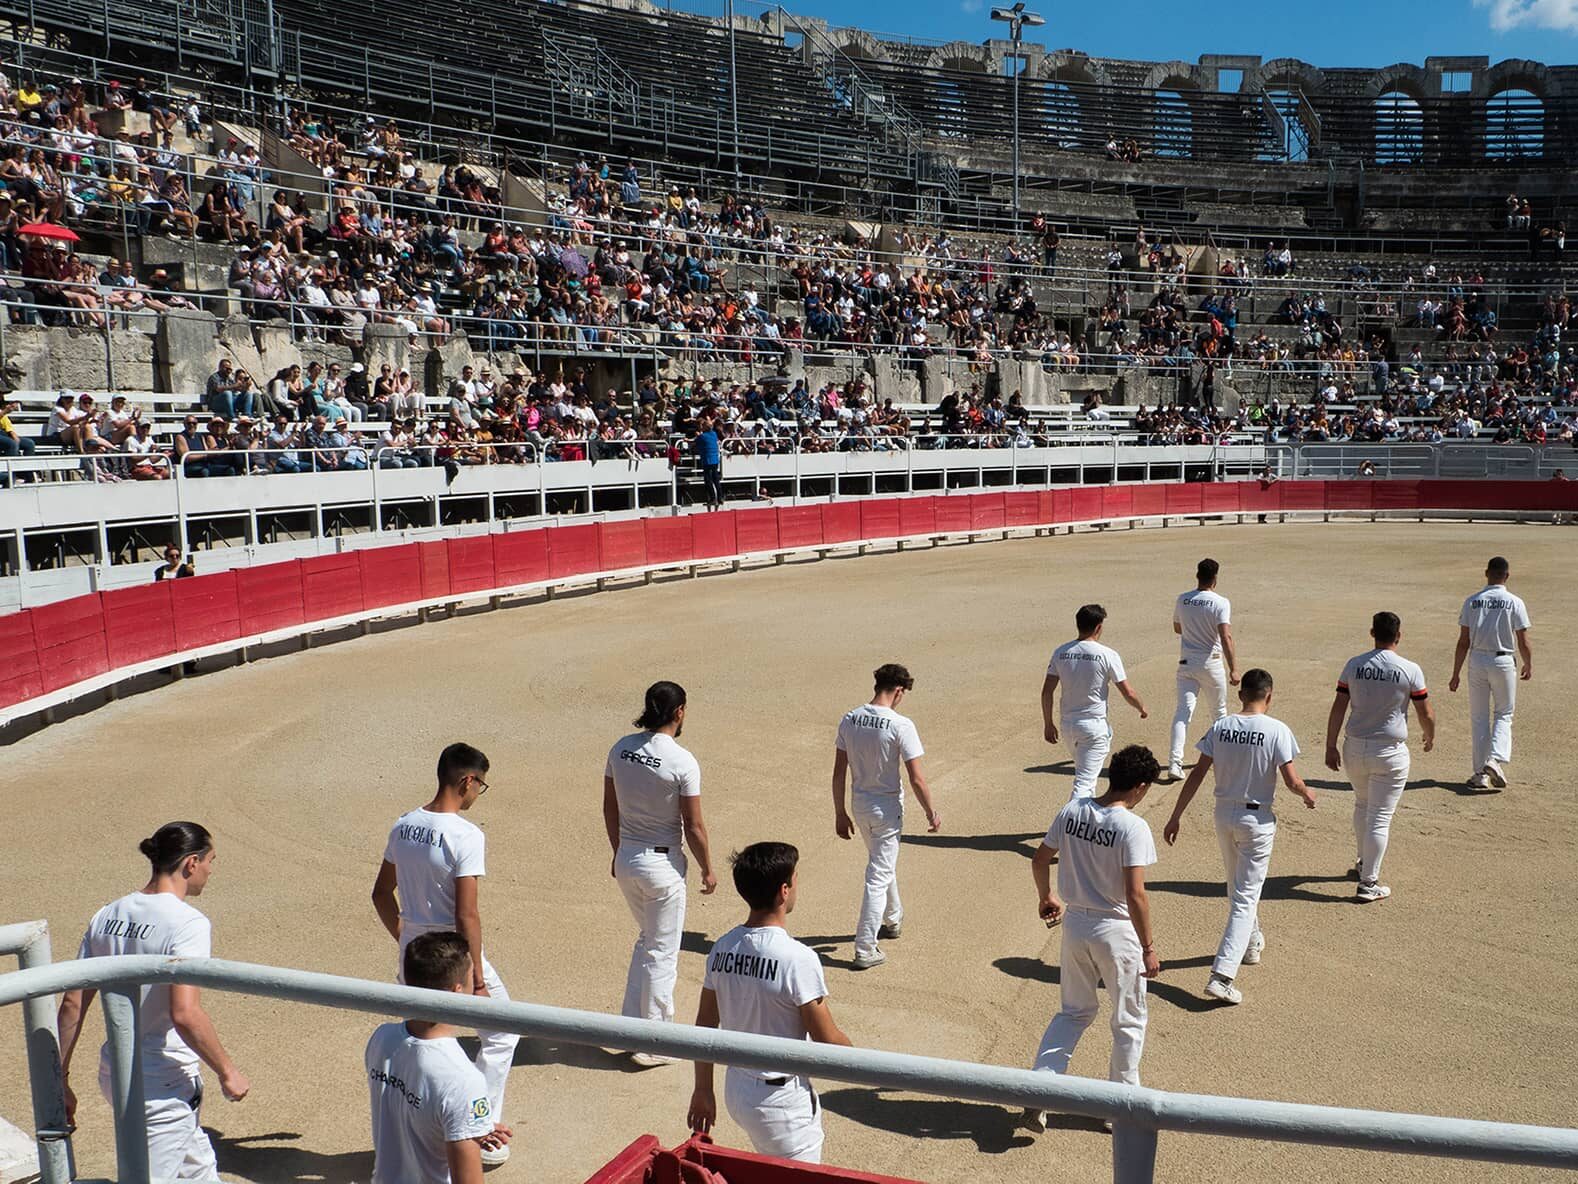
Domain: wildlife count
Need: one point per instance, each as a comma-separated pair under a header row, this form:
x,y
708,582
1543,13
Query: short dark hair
x,y
459,759
1386,627
437,961
890,676
173,844
1205,571
1089,617
1498,566
761,869
1132,767
662,704
1255,685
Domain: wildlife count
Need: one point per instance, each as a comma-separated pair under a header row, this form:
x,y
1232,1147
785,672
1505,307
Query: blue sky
x,y
1333,33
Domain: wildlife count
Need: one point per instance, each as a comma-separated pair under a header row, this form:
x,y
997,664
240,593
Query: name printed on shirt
x,y
1231,736
640,758
424,836
1079,828
749,965
880,723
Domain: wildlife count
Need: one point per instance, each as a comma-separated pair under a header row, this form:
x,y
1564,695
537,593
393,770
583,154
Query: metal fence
x,y
1138,1114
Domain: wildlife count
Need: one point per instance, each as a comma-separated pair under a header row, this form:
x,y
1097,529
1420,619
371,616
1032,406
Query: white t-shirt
x,y
1379,685
152,923
430,852
1198,614
1096,843
425,1093
1085,668
651,772
763,977
1493,617
1248,752
877,740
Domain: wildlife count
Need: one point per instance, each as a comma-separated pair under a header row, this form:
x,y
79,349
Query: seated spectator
x,y
225,394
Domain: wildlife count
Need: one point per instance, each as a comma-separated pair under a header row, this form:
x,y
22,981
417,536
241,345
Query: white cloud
x,y
974,6
1506,15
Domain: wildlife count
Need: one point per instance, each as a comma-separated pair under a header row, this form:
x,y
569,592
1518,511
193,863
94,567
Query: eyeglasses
x,y
483,785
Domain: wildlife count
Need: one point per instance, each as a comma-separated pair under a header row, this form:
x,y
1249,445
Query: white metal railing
x,y
1138,1114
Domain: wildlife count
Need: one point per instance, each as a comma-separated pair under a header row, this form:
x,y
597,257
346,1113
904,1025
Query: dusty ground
x,y
1456,996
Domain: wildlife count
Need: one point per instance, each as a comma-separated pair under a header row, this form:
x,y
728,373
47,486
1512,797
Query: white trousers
x,y
880,820
1098,950
654,886
1245,837
1378,771
1492,694
178,1147
1196,676
497,1052
1089,740
780,1114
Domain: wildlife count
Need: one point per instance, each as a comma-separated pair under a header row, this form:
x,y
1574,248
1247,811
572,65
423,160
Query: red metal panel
x,y
573,551
1183,499
1253,496
270,595
1350,495
798,526
988,511
207,610
917,515
20,677
1117,501
1086,504
621,545
1062,505
714,535
434,560
840,522
1021,509
631,1165
471,564
1150,501
756,530
139,623
1560,495
747,1167
881,518
331,586
69,635
668,540
1303,495
1395,495
954,514
390,575
1217,498
520,557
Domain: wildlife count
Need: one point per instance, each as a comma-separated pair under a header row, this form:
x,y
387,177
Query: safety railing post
x,y
30,942
1133,1153
121,1005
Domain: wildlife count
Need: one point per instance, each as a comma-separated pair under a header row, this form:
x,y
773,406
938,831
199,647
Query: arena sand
x,y
1456,996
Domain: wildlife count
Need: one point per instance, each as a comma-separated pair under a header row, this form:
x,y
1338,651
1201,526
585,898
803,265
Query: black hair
x,y
662,704
1386,627
761,869
890,676
1205,571
1089,617
1132,767
173,844
1498,567
437,961
457,760
1255,685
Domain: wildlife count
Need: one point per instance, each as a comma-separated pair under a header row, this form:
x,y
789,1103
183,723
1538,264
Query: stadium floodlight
x,y
1016,18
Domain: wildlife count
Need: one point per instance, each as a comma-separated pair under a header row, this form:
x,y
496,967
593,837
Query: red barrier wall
x,y
954,515
207,610
434,561
520,557
69,635
390,575
20,677
840,522
621,544
715,535
880,518
270,596
471,564
139,623
798,526
668,539
1150,500
756,530
573,550
1303,495
917,515
331,586
1021,509
1086,504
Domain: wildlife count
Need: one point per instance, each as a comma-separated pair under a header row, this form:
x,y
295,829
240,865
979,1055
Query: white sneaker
x,y
892,931
867,961
1034,1121
652,1060
1222,989
492,1157
1370,890
1497,777
1174,773
1479,781
1256,945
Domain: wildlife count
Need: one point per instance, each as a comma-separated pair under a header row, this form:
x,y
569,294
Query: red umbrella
x,y
50,230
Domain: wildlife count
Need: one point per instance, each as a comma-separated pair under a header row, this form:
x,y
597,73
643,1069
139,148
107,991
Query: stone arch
x,y
1074,69
1179,76
961,56
1286,72
857,45
1404,77
1517,74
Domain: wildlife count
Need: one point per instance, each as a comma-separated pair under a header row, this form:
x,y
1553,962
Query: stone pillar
x,y
386,343
184,344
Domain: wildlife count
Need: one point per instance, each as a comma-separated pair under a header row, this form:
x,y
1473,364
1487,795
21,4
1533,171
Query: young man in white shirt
x,y
1492,622
1249,751
652,796
873,742
1084,667
760,980
428,882
1378,685
430,1109
175,1037
1203,621
1107,935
